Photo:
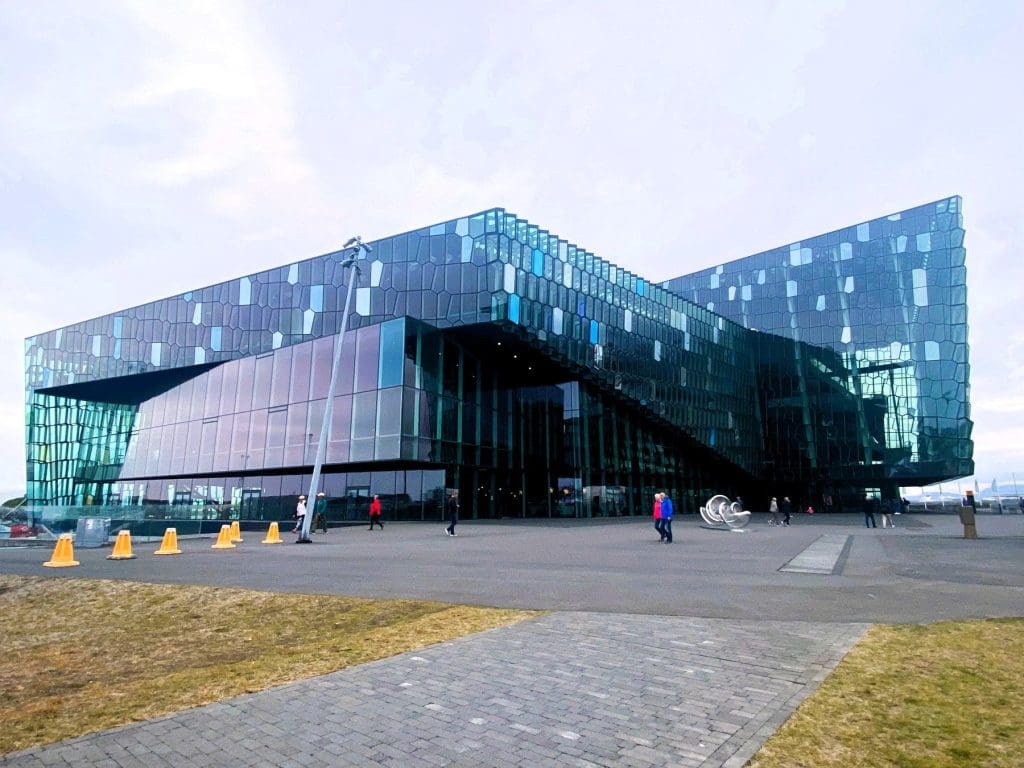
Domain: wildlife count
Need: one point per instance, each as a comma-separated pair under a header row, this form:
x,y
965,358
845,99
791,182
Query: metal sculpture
x,y
720,511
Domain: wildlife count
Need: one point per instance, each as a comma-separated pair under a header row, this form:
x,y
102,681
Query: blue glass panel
x,y
538,262
392,353
513,308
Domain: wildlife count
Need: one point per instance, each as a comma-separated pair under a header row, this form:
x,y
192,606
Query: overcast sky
x,y
148,148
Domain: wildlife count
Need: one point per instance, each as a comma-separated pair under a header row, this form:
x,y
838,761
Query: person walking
x,y
666,517
320,512
375,513
657,516
787,510
887,509
452,508
300,514
773,510
869,513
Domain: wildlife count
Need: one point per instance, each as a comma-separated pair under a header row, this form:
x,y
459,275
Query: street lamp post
x,y
358,247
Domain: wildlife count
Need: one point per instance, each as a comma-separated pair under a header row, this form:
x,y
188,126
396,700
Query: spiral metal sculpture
x,y
720,511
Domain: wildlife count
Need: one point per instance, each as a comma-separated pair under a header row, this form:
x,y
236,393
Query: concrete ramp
x,y
821,557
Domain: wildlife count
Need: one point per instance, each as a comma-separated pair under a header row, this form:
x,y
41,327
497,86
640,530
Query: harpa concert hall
x,y
488,355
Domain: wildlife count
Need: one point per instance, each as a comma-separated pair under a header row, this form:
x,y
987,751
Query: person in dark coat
x,y
666,517
320,512
787,510
869,513
452,508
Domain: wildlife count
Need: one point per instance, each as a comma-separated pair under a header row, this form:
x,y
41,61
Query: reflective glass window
x,y
279,381
239,441
347,366
367,354
243,392
296,437
389,411
192,441
222,447
364,414
392,353
228,388
184,401
299,381
314,422
178,451
276,424
257,439
198,400
323,359
154,412
261,382
212,403
207,444
166,450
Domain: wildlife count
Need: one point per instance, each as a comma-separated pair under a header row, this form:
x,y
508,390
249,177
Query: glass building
x,y
870,389
487,355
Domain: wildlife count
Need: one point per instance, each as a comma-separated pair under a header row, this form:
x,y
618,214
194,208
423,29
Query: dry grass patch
x,y
84,655
939,696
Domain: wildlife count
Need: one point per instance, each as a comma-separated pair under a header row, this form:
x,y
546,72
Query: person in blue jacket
x,y
666,517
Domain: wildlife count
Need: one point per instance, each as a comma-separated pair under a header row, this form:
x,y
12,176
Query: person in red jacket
x,y
375,513
657,516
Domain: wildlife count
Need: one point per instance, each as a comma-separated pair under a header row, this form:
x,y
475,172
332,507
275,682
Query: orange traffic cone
x,y
273,535
236,533
224,539
122,547
63,553
169,546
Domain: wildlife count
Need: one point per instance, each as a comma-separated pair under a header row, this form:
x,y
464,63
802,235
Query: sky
x,y
149,148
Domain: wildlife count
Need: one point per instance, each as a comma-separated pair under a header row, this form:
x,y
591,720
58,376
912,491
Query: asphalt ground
x,y
921,571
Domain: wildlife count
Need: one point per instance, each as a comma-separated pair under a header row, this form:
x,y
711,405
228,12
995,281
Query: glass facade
x,y
490,356
873,390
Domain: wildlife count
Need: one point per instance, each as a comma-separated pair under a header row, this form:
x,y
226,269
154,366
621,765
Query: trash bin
x,y
92,532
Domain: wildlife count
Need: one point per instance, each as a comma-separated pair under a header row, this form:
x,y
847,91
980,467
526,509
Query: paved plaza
x,y
689,654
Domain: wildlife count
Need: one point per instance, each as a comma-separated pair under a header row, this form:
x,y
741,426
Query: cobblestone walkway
x,y
569,689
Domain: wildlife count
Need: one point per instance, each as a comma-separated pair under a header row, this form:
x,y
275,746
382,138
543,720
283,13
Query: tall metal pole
x,y
325,427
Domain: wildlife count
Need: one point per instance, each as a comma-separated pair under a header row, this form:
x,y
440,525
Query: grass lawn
x,y
84,655
938,696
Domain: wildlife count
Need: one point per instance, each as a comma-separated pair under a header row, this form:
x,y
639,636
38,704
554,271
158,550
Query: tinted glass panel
x,y
390,412
282,373
364,414
323,358
261,385
246,371
392,353
301,365
367,354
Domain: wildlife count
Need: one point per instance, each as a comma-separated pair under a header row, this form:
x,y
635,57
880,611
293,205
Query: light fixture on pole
x,y
351,263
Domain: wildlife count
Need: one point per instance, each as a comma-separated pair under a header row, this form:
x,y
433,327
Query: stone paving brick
x,y
623,690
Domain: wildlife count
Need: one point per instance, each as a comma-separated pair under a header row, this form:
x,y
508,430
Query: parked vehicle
x,y
15,525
